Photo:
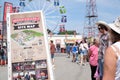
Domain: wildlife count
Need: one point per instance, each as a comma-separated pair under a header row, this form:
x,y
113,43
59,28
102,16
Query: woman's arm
x,y
110,60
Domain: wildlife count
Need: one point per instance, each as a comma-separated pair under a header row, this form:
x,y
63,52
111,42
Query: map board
x,y
28,49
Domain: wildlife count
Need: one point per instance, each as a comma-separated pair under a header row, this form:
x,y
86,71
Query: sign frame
x,y
45,38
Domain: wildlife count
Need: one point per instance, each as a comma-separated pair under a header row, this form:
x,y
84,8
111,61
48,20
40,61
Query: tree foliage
x,y
67,32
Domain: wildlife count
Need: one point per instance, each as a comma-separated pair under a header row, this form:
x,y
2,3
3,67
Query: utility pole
x,y
0,12
91,17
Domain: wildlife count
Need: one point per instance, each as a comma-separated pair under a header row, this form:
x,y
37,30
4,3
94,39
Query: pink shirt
x,y
94,55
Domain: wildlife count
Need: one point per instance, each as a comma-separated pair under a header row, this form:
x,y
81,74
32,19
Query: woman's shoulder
x,y
113,46
117,44
110,51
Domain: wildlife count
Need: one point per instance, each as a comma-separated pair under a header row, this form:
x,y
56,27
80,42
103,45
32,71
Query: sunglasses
x,y
99,28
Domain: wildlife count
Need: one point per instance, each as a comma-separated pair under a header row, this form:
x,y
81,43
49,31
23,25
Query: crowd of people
x,y
103,54
3,55
79,51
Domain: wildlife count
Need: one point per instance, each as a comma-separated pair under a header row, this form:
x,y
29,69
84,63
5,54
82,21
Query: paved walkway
x,y
67,70
64,69
3,73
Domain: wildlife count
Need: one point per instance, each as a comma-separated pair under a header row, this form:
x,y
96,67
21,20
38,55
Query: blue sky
x,y
107,10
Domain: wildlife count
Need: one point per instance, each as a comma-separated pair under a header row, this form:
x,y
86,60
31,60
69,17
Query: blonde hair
x,y
96,40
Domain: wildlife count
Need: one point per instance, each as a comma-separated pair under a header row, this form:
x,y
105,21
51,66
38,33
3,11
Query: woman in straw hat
x,y
103,44
112,54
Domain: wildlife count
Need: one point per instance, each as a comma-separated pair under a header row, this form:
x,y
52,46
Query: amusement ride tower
x,y
91,17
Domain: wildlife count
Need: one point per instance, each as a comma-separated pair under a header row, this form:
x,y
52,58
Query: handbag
x,y
96,75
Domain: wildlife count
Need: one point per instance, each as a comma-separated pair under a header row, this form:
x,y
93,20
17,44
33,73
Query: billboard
x,y
28,50
7,9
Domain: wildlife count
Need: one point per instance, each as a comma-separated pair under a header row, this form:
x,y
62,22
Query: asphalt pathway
x,y
67,70
64,69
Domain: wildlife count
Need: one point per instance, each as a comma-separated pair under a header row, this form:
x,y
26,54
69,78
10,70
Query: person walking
x,y
93,57
68,49
84,50
104,42
77,53
52,51
112,54
74,52
2,54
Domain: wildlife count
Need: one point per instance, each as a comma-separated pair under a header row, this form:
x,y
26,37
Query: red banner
x,y
7,9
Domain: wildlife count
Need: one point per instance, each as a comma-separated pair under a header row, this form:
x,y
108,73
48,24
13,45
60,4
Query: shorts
x,y
3,57
84,52
52,56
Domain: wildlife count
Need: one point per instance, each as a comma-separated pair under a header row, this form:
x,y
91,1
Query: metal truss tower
x,y
91,17
0,12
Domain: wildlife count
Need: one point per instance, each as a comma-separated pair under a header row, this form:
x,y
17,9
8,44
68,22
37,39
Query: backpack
x,y
1,52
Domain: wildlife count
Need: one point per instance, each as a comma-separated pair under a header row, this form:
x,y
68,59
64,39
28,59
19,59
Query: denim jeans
x,y
42,77
100,68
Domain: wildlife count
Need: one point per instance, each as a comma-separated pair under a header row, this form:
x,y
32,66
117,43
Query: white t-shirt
x,y
83,46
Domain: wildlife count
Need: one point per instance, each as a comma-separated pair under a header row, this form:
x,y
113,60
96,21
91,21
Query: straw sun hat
x,y
114,26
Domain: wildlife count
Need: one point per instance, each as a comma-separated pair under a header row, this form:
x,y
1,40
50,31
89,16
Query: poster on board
x,y
28,49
